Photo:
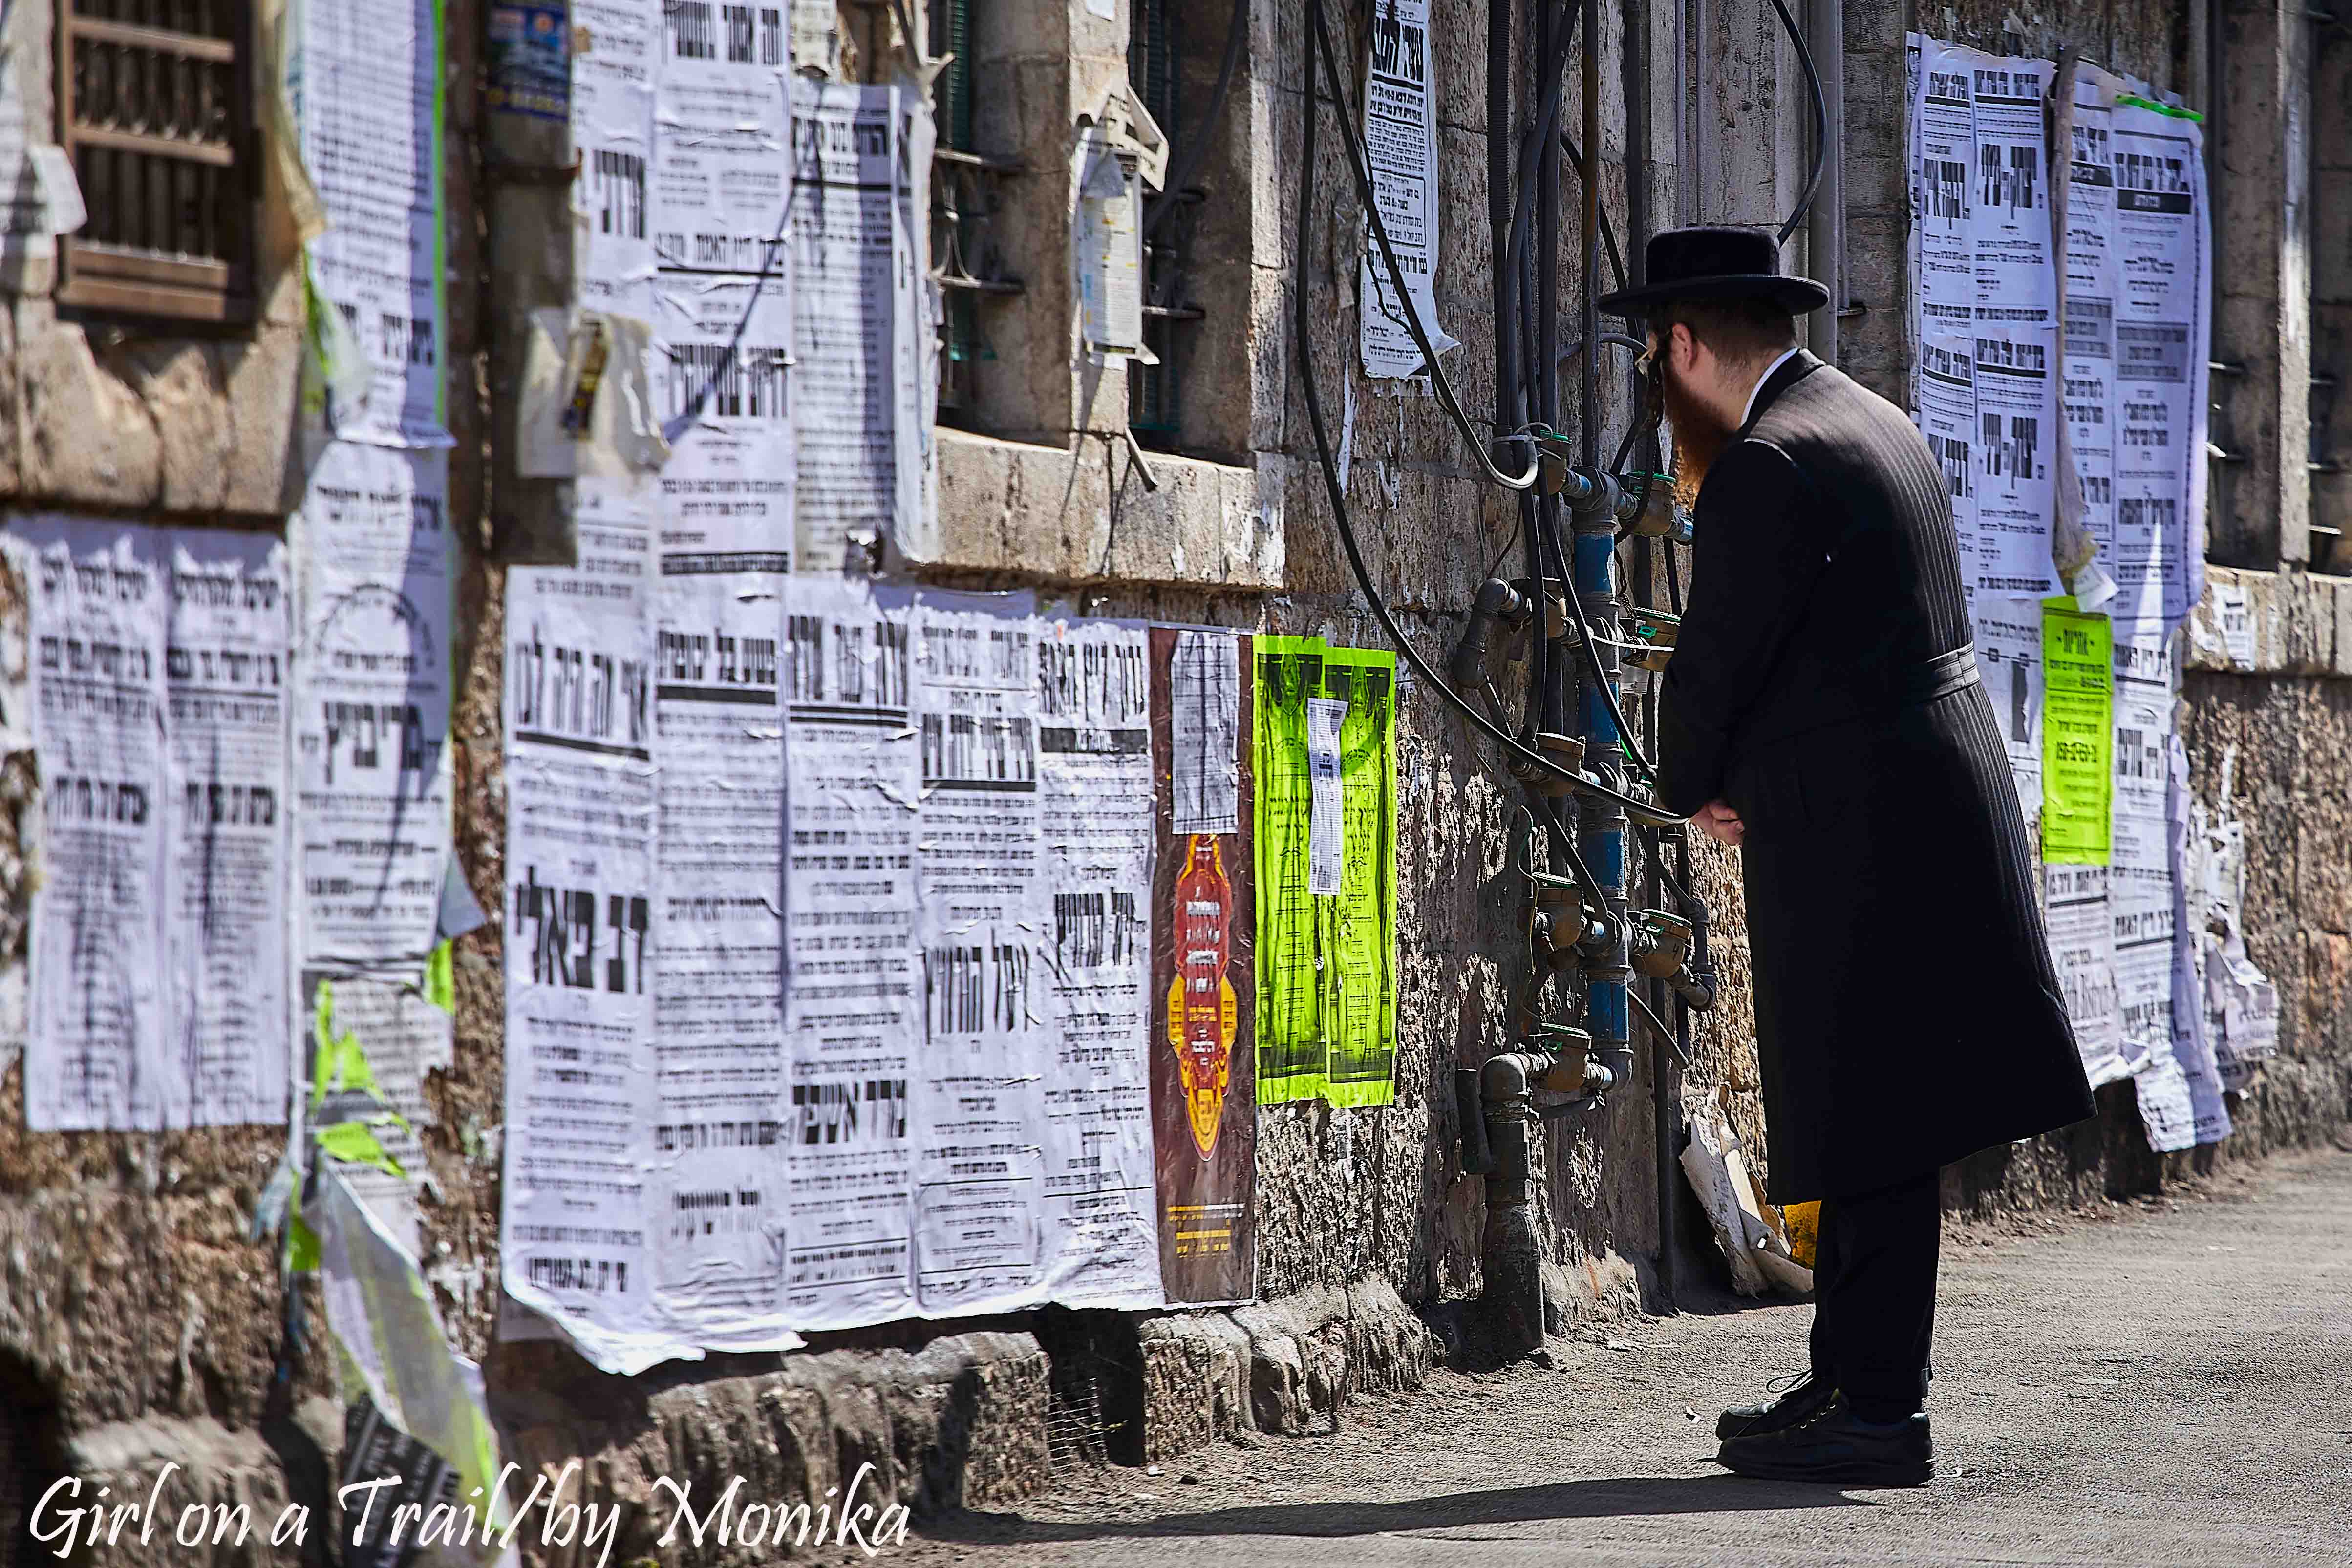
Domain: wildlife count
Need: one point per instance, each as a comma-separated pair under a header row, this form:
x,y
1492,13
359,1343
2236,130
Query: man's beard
x,y
1700,439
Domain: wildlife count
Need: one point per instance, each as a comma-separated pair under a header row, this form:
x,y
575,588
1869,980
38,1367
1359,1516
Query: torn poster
x,y
979,1101
2241,1003
1401,145
2082,949
1324,832
854,1028
1947,419
2162,325
2141,864
2165,1112
2192,1043
2078,736
865,376
612,135
2091,284
2008,660
1107,239
95,1056
1203,976
2017,449
580,871
1913,47
372,712
2010,225
1095,784
228,684
366,83
372,1045
716,1186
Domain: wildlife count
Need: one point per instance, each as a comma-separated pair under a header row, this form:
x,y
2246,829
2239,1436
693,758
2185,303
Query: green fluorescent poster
x,y
1359,970
2077,742
1327,879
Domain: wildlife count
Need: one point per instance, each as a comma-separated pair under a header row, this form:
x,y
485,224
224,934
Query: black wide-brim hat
x,y
1715,261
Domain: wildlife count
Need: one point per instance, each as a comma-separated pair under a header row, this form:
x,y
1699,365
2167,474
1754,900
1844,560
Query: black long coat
x,y
1825,687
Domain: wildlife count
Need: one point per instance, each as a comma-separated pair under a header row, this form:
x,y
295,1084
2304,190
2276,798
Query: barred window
x,y
965,259
1155,70
155,110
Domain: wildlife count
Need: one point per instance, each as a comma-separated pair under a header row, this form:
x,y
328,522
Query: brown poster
x,y
1204,1053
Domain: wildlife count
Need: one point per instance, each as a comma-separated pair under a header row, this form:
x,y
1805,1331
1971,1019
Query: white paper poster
x,y
228,684
718,1187
2009,661
581,869
2015,283
95,1056
1094,770
1945,163
1401,145
721,176
2082,948
1204,706
2017,450
372,717
987,1009
1325,828
2165,1111
2161,332
853,1011
1947,418
1107,238
722,346
2241,1003
2089,338
864,347
2141,865
365,86
612,133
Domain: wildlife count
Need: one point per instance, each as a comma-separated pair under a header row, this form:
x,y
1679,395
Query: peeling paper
x,y
586,404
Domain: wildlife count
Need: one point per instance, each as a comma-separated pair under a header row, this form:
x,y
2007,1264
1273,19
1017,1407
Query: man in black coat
x,y
1822,711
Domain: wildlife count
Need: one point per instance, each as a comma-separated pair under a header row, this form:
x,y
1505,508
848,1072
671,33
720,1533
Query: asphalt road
x,y
2168,1384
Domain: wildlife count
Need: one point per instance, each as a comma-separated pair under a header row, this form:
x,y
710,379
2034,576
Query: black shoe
x,y
1835,1448
1802,1395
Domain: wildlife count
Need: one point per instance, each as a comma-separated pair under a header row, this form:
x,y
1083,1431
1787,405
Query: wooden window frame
x,y
108,278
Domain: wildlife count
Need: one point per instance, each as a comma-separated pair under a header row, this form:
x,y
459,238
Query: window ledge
x,y
2287,623
1052,512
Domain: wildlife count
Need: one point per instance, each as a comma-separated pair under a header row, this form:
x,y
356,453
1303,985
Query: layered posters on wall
x,y
159,689
611,111
1401,145
2009,661
1203,965
2194,1040
1325,723
2162,309
2077,787
865,376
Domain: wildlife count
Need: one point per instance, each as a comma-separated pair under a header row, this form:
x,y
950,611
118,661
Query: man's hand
x,y
1720,822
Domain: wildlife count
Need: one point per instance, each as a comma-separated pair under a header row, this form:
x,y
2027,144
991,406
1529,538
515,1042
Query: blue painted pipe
x,y
1600,825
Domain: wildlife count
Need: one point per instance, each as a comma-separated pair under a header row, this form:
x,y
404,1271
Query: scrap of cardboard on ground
x,y
1747,1229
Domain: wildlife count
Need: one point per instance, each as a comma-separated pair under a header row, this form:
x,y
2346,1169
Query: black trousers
x,y
1874,1296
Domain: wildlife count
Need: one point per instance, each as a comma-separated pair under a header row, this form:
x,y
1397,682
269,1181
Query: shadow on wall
x,y
31,1456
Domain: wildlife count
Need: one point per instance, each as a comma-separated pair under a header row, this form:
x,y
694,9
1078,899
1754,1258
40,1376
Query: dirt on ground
x,y
2165,1381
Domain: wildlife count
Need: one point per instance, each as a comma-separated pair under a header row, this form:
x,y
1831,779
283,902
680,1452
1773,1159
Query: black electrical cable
x,y
1820,123
1319,42
1442,385
1188,161
1608,229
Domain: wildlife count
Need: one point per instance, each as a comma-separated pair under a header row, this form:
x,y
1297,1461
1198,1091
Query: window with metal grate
x,y
1155,68
155,109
